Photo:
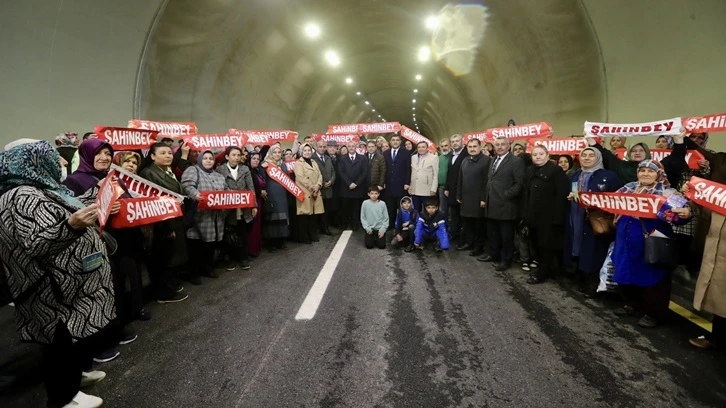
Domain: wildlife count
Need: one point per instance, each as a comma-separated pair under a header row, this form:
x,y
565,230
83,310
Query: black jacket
x,y
452,177
545,203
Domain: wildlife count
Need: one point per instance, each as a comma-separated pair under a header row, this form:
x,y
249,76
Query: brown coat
x,y
710,293
377,170
308,176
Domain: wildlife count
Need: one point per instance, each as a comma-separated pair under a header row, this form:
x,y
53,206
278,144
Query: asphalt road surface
x,y
392,330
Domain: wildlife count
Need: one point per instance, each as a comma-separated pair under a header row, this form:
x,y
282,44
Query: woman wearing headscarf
x,y
646,288
57,268
617,142
208,229
169,245
309,178
127,160
237,176
275,226
545,209
95,157
259,182
567,163
582,247
66,145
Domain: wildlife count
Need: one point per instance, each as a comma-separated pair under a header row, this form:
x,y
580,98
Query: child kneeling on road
x,y
406,218
431,226
374,219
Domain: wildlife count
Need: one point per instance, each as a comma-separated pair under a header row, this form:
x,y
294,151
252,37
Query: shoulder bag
x,y
659,252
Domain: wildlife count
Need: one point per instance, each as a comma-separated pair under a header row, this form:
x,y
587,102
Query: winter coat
x,y
432,225
452,175
424,174
307,176
545,203
398,172
377,170
242,183
277,220
208,224
710,293
504,189
327,169
410,218
471,188
43,260
444,160
355,172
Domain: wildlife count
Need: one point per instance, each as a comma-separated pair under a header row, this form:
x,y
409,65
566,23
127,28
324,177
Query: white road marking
x,y
315,296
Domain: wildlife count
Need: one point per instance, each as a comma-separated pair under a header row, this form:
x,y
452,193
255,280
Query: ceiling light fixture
x,y
368,103
357,93
332,58
432,22
418,77
373,110
312,30
414,108
349,80
415,91
424,53
414,101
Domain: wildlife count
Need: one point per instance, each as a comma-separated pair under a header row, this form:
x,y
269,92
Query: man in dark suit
x,y
352,173
325,164
398,176
506,184
458,154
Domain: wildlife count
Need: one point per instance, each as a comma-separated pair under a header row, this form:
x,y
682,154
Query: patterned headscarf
x,y
34,164
660,187
641,144
669,139
122,157
66,139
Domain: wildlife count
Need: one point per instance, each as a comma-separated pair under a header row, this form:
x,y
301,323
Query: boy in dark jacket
x,y
431,226
406,218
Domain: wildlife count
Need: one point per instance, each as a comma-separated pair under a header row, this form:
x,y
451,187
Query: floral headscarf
x,y
661,186
122,157
34,164
66,139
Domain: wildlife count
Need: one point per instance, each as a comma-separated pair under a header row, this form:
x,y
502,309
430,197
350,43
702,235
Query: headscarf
x,y
598,161
259,170
86,176
668,139
705,140
641,144
269,158
66,139
35,164
200,159
661,181
122,157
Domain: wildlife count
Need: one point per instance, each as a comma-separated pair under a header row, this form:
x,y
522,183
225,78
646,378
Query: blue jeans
x,y
443,202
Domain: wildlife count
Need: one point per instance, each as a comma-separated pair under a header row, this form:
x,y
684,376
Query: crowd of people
x,y
76,288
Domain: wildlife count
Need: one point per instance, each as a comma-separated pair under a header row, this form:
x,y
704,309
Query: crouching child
x,y
374,219
406,218
431,226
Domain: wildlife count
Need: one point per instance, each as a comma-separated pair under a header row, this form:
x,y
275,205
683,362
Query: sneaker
x,y
106,355
647,322
231,266
533,264
179,289
91,377
701,342
128,338
525,267
244,265
177,297
82,400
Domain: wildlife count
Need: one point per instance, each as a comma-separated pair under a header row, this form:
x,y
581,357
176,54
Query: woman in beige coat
x,y
424,175
310,180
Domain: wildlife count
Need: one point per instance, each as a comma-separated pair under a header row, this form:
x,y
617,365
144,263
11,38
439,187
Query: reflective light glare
x,y
349,80
418,77
423,54
332,58
432,22
312,30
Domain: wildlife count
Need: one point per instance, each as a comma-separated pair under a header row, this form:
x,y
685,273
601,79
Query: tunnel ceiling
x,y
249,65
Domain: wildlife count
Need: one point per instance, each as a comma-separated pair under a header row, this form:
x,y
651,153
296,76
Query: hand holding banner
x,y
136,212
415,138
106,197
226,200
140,187
279,176
692,156
708,194
126,138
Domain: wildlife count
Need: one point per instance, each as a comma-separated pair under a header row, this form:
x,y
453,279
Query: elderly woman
x,y
259,182
169,246
545,209
128,161
646,288
310,180
207,230
582,247
57,268
275,226
237,176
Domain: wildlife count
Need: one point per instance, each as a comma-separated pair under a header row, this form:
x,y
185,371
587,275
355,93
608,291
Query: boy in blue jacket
x,y
431,226
406,218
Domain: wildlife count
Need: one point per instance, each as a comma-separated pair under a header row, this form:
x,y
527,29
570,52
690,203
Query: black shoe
x,y
143,315
409,248
177,297
327,232
476,252
127,338
463,247
501,267
212,274
106,355
487,258
437,248
244,265
624,311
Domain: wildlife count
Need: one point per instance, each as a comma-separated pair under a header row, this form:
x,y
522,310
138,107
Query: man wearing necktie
x,y
424,176
325,164
398,176
502,204
353,174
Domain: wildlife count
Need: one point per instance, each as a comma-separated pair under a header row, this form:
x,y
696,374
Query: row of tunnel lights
x,y
313,31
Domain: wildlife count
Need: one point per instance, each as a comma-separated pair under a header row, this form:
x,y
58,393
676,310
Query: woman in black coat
x,y
545,209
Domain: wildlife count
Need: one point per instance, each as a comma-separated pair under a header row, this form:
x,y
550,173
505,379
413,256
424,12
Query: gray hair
x,y
456,135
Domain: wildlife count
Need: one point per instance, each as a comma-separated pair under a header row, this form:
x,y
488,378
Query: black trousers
x,y
63,362
202,257
474,231
455,220
392,204
125,268
163,277
718,332
308,228
237,248
501,239
372,240
653,300
407,237
325,219
548,259
350,211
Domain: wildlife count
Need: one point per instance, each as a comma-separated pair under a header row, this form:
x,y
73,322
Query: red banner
x,y
265,137
415,138
106,197
634,205
126,138
341,139
165,128
482,136
140,187
692,156
215,141
708,194
365,128
531,131
140,211
226,200
710,123
278,175
662,127
290,166
571,145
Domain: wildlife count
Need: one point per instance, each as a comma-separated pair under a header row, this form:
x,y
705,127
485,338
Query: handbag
x,y
659,251
601,222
